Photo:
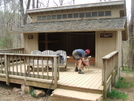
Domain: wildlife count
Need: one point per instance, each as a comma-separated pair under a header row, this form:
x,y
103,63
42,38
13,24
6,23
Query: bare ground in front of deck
x,y
129,91
6,93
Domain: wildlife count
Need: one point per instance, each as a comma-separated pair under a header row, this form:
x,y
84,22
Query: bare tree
x,y
131,38
33,3
62,2
37,2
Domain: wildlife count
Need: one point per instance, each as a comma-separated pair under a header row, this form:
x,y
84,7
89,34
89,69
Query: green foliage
x,y
116,94
26,92
106,100
123,83
33,94
127,70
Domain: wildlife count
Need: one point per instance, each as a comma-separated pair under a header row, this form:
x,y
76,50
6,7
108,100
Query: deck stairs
x,y
60,94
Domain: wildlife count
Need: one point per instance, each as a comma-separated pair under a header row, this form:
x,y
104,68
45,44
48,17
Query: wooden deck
x,y
90,81
79,87
13,69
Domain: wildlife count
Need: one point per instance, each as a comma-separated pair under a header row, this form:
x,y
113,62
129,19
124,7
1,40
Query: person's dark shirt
x,y
81,52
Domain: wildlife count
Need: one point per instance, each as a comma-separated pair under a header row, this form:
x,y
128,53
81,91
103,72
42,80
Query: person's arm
x,y
83,62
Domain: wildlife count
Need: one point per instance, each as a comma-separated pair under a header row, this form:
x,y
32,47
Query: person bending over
x,y
79,57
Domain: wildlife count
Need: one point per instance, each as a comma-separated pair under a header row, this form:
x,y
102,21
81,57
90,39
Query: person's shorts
x,y
75,55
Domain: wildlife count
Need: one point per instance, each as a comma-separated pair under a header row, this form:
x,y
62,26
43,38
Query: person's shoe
x,y
80,71
76,69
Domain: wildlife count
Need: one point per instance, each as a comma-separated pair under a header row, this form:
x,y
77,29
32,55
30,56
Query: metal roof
x,y
75,25
98,4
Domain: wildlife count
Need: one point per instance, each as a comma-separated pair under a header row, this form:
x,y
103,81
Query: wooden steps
x,y
71,95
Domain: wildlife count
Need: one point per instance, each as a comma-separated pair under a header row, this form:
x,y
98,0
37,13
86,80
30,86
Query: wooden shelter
x,y
100,27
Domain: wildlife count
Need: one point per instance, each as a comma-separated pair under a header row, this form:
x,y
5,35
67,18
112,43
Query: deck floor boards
x,y
91,79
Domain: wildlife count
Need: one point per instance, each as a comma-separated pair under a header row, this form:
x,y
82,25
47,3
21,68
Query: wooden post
x,y
6,67
104,78
55,72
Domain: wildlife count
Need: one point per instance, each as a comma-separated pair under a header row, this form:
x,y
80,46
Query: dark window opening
x,y
44,18
70,15
39,17
88,14
107,13
122,13
94,14
81,15
58,16
101,13
64,16
75,15
53,16
49,17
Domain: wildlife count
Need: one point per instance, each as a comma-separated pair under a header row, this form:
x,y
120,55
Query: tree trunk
x,y
131,38
26,15
33,6
37,4
22,11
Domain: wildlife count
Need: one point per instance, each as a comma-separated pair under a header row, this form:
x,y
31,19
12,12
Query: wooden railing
x,y
29,66
109,71
13,50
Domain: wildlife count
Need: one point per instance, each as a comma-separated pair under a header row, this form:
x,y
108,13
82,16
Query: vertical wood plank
x,y
6,66
55,72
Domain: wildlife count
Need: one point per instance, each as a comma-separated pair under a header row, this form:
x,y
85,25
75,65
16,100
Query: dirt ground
x,y
129,91
7,94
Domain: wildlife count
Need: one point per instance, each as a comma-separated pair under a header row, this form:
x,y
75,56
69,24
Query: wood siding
x,y
30,44
115,13
104,46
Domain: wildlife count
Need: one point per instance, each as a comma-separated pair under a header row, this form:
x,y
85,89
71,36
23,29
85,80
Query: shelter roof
x,y
113,24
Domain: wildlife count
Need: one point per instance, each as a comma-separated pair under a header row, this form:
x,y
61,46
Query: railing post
x,y
55,72
104,78
6,67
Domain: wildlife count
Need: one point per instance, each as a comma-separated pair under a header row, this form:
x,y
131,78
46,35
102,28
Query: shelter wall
x,y
104,46
115,13
30,42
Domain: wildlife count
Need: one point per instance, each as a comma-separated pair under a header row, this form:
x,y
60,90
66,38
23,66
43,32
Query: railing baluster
x,y
25,65
52,67
1,64
55,72
38,67
47,69
33,67
42,68
12,67
6,71
17,65
20,59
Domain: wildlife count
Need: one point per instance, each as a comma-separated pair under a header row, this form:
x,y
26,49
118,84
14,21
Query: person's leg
x,y
79,64
76,57
80,71
76,66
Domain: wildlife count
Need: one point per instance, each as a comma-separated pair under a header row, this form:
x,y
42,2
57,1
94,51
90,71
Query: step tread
x,y
77,94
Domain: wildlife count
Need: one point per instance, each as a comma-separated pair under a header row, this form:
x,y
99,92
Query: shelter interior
x,y
67,41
